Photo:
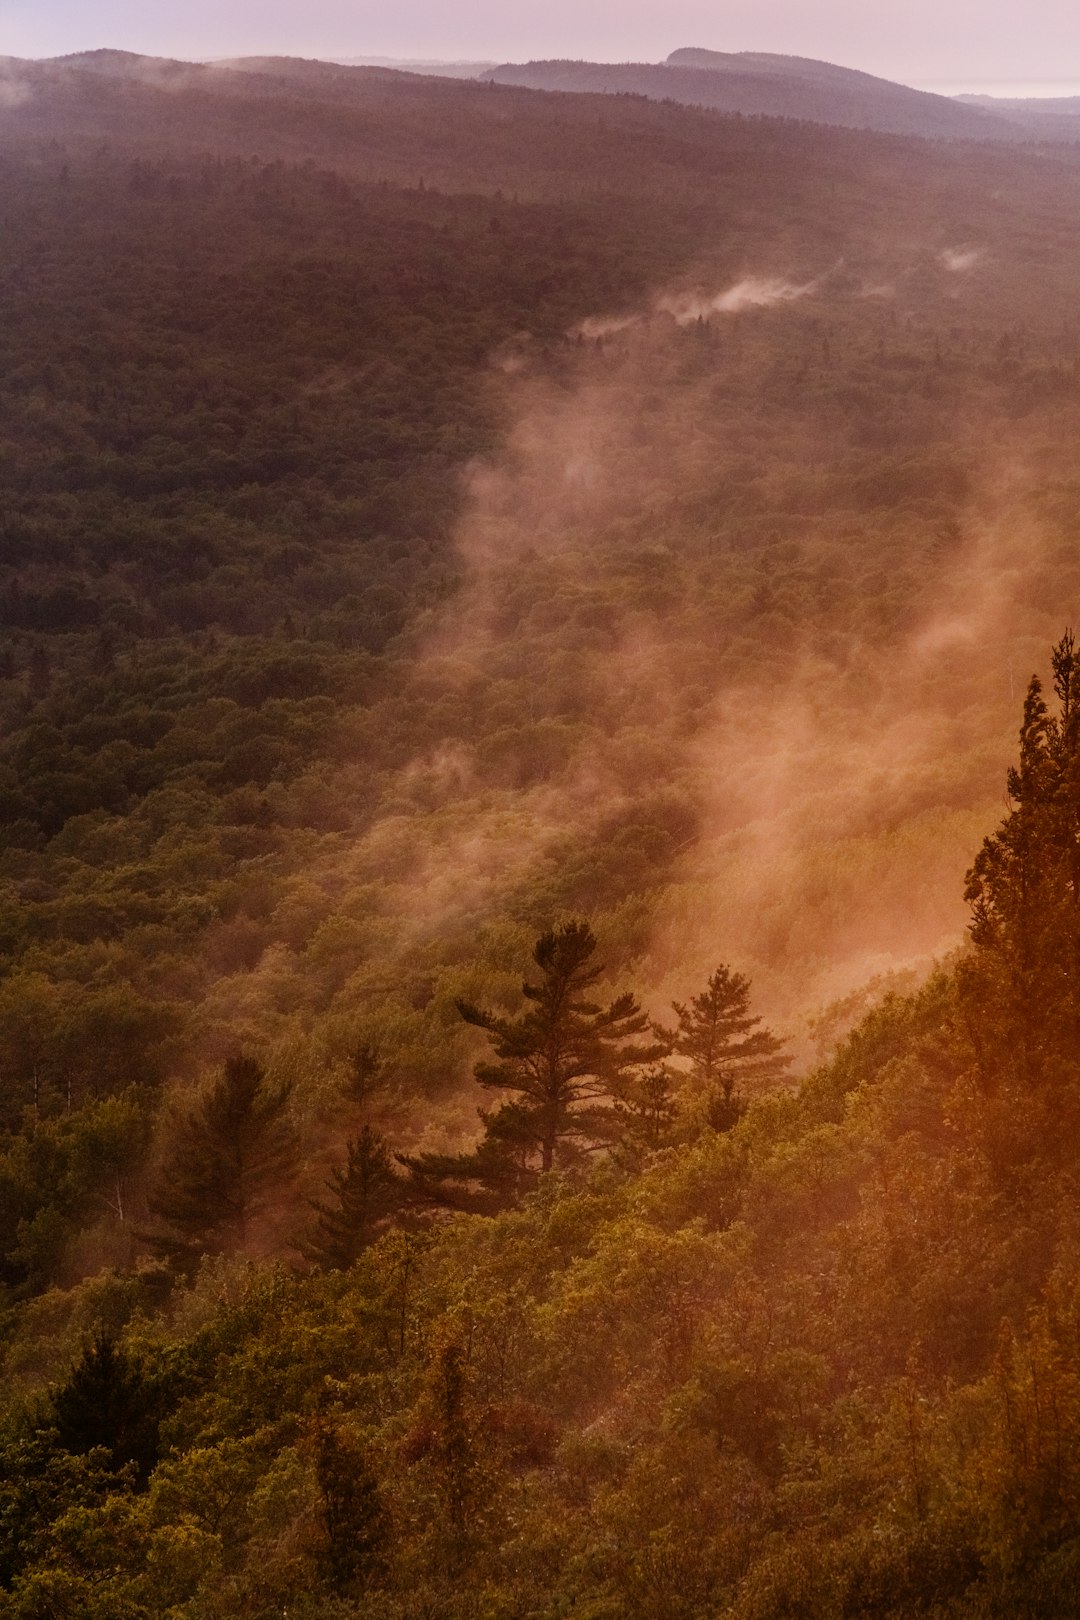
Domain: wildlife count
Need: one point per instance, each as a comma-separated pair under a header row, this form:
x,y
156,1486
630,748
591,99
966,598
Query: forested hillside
x,y
761,85
451,535
800,1352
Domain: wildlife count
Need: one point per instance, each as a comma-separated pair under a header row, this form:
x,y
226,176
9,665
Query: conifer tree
x,y
363,1194
564,1060
225,1158
649,1112
724,1045
1020,989
108,1403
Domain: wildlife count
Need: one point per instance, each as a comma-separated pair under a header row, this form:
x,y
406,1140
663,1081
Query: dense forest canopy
x,y
513,610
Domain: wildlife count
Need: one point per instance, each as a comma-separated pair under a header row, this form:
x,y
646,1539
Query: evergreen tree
x,y
724,1045
1020,989
363,1194
109,1403
565,1060
498,1172
365,1073
225,1158
649,1113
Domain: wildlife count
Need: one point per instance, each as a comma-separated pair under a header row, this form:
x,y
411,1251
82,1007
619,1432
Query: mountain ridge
x,y
745,83
757,84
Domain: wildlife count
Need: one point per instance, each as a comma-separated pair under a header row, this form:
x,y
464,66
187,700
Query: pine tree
x,y
565,1060
496,1174
363,1195
1020,988
725,1048
108,1403
649,1114
225,1159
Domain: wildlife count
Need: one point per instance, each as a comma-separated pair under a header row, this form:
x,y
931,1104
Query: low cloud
x,y
959,261
15,91
828,710
752,292
599,326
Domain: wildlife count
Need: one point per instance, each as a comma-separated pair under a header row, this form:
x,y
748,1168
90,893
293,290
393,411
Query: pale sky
x,y
951,43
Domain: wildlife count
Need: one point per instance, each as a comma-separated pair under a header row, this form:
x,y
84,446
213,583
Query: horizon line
x,y
951,87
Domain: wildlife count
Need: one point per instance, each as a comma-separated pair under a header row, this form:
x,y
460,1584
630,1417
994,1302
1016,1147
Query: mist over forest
x,y
539,799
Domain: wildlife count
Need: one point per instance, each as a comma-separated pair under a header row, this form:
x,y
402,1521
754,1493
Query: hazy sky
x,y
920,41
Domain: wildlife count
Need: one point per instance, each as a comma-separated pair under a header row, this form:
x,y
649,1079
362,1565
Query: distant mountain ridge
x,y
774,63
113,64
746,83
757,83
1046,118
435,70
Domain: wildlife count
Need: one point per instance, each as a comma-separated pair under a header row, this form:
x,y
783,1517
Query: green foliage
x,y
38,1484
305,737
226,1157
59,1175
719,1037
109,1405
648,1113
67,1044
565,1059
364,1194
351,1512
446,1449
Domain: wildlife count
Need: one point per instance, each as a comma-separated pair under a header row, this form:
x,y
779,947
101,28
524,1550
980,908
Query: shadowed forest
x,y
539,988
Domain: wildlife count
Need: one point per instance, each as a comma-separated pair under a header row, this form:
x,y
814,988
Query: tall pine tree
x,y
563,1063
226,1158
109,1402
1020,987
363,1194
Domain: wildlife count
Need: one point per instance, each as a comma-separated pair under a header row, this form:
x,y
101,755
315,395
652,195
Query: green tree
x,y
649,1114
566,1060
363,1194
224,1160
350,1509
39,1482
725,1047
1020,988
61,1174
448,1444
365,1073
109,1404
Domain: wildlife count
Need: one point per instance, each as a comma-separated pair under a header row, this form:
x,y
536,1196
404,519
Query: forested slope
x,y
760,85
650,518
819,1359
310,717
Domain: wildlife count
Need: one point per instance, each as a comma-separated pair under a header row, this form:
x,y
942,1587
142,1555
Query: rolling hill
x,y
759,84
1045,118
